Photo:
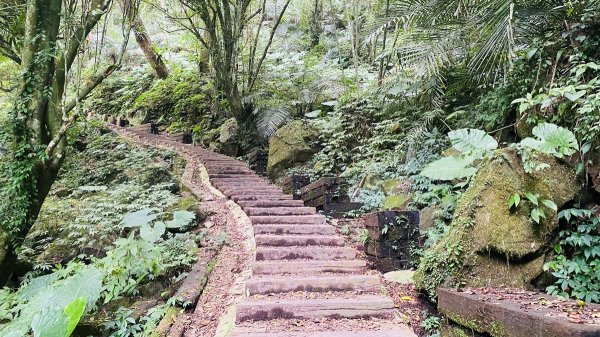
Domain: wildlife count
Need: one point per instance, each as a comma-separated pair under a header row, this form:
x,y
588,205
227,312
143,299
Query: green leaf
x,y
472,141
313,114
575,96
182,221
50,322
139,218
36,285
550,204
87,283
535,215
15,334
531,197
515,200
449,168
74,311
153,234
553,140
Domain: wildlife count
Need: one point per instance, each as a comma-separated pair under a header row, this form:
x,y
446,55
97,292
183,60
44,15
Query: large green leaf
x,y
139,218
74,311
50,322
552,139
15,334
153,233
87,283
449,168
182,221
472,141
36,285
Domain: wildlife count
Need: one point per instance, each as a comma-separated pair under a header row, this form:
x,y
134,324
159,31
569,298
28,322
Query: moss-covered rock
x,y
398,201
227,137
290,145
488,244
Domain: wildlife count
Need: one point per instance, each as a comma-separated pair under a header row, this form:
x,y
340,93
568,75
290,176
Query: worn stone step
x,y
294,229
263,197
300,267
289,219
242,179
298,240
243,191
231,175
280,210
240,183
255,184
405,332
305,253
275,285
362,306
238,172
271,203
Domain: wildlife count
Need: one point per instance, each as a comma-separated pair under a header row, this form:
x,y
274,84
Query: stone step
x,y
243,184
305,253
230,175
406,332
300,267
247,185
360,307
245,191
239,181
262,197
240,172
275,285
298,240
290,219
271,203
280,210
294,229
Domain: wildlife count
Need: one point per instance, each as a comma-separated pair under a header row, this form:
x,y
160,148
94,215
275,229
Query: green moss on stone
x,y
485,236
290,145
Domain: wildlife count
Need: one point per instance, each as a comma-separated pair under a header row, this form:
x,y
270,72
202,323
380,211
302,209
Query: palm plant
x,y
481,36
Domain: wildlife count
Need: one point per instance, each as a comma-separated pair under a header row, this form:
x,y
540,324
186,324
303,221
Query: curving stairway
x,y
305,281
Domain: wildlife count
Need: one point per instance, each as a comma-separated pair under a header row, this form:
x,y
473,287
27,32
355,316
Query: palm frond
x,y
270,119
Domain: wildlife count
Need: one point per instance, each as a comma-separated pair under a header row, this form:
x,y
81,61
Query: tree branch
x,y
254,74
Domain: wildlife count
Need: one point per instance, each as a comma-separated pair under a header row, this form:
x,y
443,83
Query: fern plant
x,y
472,144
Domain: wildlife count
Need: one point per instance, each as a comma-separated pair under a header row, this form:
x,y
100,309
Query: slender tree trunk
x,y
143,40
382,62
315,23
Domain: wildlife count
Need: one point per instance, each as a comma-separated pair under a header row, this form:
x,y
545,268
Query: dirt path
x,y
298,280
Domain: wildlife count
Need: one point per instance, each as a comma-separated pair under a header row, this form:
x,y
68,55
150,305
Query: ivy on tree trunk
x,y
39,119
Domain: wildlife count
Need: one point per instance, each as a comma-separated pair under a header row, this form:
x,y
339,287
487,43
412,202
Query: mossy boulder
x,y
290,145
489,244
228,137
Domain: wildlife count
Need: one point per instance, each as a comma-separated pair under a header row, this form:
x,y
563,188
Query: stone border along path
x,y
302,269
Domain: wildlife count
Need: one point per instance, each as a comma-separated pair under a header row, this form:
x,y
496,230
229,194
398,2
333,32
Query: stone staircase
x,y
303,270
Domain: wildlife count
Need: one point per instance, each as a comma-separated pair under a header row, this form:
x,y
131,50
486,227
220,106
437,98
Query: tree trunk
x,y
144,42
38,148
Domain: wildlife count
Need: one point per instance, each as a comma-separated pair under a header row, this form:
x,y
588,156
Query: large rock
x,y
290,145
490,245
594,171
227,138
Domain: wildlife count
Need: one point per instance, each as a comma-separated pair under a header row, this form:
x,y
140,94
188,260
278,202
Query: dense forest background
x,y
408,100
